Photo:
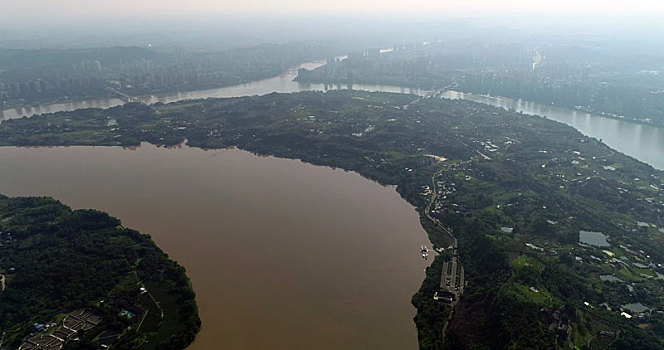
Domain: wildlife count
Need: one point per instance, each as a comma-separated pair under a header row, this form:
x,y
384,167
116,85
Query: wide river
x,y
645,143
281,254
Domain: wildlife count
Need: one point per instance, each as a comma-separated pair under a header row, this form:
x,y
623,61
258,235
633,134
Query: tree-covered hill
x,y
516,191
57,260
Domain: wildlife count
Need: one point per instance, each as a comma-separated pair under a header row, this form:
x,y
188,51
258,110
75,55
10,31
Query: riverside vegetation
x,y
58,260
515,189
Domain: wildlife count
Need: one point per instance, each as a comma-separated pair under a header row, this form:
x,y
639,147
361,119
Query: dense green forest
x,y
516,190
57,260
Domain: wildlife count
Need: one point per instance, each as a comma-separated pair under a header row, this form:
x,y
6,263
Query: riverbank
x,y
126,97
36,103
453,93
113,99
645,144
214,212
513,171
434,87
94,266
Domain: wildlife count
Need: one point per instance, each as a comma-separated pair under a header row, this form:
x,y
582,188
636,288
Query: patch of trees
x,y
59,260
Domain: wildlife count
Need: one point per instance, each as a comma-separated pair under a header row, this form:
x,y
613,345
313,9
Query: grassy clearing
x,y
540,297
172,108
627,275
525,261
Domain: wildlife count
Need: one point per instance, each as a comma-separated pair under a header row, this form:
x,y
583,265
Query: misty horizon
x,y
16,10
363,29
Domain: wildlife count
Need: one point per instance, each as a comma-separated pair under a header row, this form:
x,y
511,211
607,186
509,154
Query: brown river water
x,y
281,254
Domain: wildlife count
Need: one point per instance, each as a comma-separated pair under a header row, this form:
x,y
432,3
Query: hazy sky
x,y
58,9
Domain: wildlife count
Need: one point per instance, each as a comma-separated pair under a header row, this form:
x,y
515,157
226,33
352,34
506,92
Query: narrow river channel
x,y
645,143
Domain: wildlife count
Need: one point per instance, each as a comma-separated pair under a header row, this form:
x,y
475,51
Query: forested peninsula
x,y
78,279
513,198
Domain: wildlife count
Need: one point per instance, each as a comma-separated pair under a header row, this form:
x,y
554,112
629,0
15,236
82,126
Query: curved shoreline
x,y
355,292
95,266
285,83
292,134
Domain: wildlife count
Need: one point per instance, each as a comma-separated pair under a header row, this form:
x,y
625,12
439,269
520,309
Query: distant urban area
x,y
50,75
580,75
